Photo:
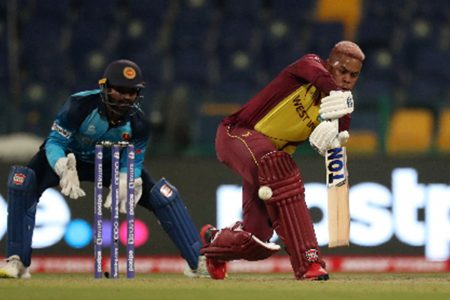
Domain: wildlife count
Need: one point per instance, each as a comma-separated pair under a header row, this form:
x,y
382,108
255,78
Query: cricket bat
x,y
338,197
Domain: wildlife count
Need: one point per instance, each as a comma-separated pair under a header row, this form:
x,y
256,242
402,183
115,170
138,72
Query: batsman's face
x,y
345,71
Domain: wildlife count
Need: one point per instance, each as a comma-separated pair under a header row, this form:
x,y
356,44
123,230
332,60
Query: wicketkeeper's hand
x,y
123,193
66,169
326,136
336,105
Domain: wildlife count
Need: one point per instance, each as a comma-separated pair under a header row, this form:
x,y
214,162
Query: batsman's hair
x,y
347,48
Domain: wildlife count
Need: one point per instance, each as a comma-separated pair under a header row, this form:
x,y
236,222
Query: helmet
x,y
126,74
123,73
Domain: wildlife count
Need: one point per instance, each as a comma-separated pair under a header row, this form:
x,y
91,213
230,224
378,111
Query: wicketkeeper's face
x,y
122,99
345,71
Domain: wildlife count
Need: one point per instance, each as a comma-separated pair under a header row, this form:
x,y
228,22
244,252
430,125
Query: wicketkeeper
x,y
257,143
110,113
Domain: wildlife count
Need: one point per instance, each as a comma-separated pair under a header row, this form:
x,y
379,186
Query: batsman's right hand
x,y
66,169
336,105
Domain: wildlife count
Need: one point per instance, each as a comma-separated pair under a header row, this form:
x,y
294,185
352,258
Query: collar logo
x,y
129,73
126,136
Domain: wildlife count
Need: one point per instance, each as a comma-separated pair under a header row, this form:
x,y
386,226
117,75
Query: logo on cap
x,y
129,73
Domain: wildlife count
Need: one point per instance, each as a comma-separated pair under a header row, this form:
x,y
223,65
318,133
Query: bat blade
x,y
338,198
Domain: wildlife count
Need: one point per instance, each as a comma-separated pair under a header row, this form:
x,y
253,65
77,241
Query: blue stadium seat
x,y
105,10
236,33
190,30
232,91
374,33
139,34
192,66
249,9
292,10
85,39
429,62
426,91
148,9
55,10
282,44
365,119
324,36
370,91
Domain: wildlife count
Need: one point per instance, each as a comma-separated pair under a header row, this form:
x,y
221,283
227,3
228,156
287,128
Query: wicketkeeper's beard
x,y
118,109
121,110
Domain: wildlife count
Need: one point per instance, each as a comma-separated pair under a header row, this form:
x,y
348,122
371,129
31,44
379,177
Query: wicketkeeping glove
x,y
336,105
66,169
123,193
326,136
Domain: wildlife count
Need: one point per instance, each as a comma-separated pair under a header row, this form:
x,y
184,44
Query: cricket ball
x,y
265,192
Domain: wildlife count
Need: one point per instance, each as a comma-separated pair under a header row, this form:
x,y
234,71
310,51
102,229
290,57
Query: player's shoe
x,y
216,269
316,272
14,268
201,270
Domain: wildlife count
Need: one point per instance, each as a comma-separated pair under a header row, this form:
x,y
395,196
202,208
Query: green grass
x,y
236,286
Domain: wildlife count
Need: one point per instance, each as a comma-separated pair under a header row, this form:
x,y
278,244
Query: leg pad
x,y
288,211
175,219
21,212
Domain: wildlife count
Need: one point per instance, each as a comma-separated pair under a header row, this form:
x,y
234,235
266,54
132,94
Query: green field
x,y
236,286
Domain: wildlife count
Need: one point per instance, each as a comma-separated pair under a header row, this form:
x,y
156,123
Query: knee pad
x,y
233,243
175,219
22,202
288,211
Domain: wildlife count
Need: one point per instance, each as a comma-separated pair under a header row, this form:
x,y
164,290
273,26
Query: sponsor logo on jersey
x,y
91,129
126,136
65,133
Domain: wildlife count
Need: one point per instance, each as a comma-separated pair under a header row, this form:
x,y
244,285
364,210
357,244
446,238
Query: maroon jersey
x,y
287,109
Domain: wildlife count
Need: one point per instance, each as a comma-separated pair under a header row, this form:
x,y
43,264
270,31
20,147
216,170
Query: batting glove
x,y
326,136
336,105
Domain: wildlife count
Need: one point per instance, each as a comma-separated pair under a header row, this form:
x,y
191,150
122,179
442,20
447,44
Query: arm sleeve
x,y
312,69
66,124
344,122
62,131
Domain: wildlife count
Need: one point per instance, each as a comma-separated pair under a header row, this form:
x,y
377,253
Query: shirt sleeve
x,y
62,131
311,68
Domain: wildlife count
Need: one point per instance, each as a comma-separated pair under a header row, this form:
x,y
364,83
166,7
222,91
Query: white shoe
x,y
201,270
14,268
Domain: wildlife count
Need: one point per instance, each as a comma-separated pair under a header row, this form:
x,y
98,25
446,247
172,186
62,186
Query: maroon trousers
x,y
241,149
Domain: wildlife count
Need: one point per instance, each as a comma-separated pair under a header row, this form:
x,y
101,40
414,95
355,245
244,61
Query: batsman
x,y
302,102
110,113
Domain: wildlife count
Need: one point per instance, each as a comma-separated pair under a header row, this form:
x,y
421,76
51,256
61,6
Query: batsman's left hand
x,y
123,193
326,136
